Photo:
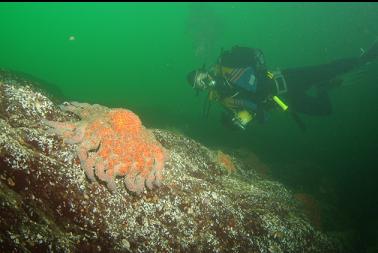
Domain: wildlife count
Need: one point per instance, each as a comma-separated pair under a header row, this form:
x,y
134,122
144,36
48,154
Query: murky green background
x,y
137,55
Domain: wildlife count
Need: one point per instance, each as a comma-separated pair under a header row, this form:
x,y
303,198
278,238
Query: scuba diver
x,y
242,83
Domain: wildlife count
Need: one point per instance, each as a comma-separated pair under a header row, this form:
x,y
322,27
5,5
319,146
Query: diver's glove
x,y
230,102
213,95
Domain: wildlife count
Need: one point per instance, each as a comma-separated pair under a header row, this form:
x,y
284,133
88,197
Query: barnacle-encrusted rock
x,y
47,204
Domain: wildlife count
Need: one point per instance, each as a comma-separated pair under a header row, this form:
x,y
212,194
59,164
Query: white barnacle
x,y
214,195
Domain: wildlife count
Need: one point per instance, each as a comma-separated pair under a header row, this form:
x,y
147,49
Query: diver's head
x,y
200,79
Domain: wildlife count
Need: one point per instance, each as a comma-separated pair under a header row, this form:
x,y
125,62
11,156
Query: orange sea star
x,y
111,143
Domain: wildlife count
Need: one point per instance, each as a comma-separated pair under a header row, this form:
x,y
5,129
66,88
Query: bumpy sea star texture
x,y
113,142
47,203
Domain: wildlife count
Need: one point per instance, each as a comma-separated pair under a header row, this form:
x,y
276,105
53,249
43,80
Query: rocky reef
x,y
208,201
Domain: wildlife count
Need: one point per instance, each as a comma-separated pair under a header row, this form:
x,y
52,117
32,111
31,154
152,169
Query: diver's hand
x,y
214,95
230,102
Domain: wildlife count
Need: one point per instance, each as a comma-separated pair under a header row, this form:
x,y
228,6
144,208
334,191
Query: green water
x,y
137,55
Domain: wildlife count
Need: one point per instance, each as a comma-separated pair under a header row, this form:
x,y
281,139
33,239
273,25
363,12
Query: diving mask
x,y
203,80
